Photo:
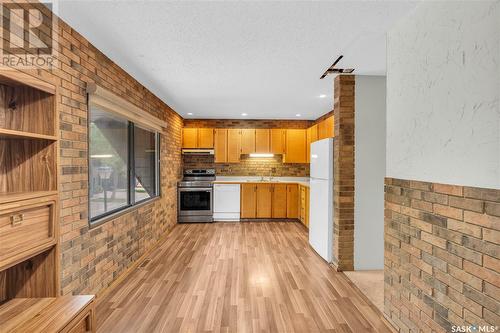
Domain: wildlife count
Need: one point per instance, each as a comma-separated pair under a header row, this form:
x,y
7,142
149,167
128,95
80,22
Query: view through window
x,y
123,167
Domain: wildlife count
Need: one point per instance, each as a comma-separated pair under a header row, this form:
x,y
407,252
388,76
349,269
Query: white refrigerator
x,y
321,198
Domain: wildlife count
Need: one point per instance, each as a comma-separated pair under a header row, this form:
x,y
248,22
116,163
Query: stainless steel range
x,y
195,196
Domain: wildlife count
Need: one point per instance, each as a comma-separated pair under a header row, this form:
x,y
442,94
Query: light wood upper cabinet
x,y
313,132
220,145
277,141
326,128
264,201
292,201
262,141
197,138
247,141
189,138
279,201
248,199
329,127
233,145
296,146
311,136
205,138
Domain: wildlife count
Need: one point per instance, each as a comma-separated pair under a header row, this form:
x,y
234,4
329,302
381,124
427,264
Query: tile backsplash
x,y
248,166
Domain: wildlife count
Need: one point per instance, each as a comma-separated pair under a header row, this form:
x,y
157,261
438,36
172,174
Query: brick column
x,y
343,192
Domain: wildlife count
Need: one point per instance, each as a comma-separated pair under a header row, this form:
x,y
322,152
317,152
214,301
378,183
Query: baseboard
x,y
335,267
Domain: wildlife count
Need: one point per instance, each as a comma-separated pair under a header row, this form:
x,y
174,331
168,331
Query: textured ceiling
x,y
222,59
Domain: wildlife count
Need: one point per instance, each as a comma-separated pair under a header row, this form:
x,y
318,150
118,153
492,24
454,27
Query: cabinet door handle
x,y
16,219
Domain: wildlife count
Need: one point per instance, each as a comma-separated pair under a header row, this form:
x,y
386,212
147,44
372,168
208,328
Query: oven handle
x,y
195,189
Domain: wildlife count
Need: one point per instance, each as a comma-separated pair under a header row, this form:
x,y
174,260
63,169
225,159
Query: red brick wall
x,y
442,249
92,258
343,192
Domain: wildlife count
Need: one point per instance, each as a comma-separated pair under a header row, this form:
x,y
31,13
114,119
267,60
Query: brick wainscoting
x,y
441,255
91,259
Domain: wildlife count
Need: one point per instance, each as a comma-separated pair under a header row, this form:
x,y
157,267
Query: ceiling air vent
x,y
334,70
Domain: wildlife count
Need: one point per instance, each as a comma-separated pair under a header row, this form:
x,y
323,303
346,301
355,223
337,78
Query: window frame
x,y
131,203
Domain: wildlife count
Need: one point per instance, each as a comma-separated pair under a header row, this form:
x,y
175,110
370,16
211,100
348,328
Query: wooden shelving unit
x,y
29,207
13,134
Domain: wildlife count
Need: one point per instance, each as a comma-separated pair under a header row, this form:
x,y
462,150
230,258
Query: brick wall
x,y
343,192
247,123
442,248
92,258
249,166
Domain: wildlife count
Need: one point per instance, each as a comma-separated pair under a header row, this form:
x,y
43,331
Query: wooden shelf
x,y
14,77
19,196
12,134
44,314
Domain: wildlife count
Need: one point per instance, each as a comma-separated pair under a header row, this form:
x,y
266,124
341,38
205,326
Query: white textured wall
x,y
443,87
369,172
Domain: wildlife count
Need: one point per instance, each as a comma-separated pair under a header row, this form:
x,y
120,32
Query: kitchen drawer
x,y
26,230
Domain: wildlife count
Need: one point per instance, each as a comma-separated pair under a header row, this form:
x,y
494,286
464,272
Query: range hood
x,y
197,151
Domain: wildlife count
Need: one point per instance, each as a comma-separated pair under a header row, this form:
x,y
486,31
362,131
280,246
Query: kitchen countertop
x,y
257,179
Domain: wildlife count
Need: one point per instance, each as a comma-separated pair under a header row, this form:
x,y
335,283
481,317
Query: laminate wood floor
x,y
237,277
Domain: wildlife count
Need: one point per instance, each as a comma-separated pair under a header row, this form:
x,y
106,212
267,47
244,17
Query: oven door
x,y
195,201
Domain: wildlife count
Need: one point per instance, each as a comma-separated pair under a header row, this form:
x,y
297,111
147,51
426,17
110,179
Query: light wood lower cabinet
x,y
248,195
269,200
304,205
292,201
264,200
279,201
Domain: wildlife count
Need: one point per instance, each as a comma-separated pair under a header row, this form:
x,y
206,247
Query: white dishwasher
x,y
226,202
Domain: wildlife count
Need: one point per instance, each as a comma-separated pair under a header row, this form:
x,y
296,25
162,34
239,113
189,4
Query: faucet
x,y
270,174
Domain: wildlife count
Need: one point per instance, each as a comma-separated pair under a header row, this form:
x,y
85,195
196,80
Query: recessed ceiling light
x,y
322,96
244,114
297,115
190,113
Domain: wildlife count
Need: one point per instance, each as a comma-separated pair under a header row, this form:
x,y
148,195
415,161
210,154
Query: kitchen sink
x,y
263,181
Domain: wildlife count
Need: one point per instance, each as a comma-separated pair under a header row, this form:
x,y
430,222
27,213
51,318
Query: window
x,y
145,157
123,167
